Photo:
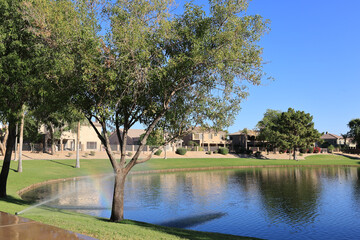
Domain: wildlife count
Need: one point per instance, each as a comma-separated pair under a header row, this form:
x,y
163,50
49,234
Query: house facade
x,y
209,140
240,140
336,141
89,140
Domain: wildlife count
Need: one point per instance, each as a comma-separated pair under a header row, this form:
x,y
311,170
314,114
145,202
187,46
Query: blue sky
x,y
313,53
313,50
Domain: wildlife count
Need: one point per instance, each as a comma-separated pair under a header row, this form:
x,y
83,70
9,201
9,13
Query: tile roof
x,y
330,136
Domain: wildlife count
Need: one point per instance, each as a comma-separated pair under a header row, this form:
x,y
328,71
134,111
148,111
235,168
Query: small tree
x,y
292,130
266,127
354,132
331,148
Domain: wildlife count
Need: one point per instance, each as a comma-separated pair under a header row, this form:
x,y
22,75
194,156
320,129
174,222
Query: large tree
x,y
289,130
21,65
154,68
354,132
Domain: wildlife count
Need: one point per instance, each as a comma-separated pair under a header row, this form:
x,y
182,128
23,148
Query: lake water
x,y
269,203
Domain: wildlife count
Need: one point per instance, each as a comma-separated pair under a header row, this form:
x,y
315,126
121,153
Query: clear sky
x,y
313,50
313,54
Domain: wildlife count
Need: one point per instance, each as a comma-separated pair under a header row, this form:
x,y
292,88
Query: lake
x,y
268,203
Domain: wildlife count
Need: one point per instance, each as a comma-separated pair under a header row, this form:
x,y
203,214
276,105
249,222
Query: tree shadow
x,y
12,169
182,233
348,156
61,163
18,201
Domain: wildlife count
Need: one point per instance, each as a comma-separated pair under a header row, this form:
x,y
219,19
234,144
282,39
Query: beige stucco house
x,y
89,140
207,139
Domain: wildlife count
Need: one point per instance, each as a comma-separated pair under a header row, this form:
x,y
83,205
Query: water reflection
x,y
271,203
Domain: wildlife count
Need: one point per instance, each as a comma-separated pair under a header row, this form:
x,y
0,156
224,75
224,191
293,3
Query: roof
x,y
250,133
204,130
330,136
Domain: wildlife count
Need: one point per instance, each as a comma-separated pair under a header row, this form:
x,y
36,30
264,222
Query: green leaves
x,y
354,132
291,129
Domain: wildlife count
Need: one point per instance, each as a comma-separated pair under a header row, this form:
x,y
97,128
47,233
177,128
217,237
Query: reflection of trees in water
x,y
290,194
197,187
357,187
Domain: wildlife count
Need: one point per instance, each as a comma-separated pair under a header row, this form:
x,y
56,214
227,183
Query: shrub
x,y
258,154
129,154
69,154
331,148
208,152
311,150
317,149
86,154
223,150
200,149
249,152
181,151
92,153
303,150
158,152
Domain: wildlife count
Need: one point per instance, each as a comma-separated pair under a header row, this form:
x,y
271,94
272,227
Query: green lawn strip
x,y
36,171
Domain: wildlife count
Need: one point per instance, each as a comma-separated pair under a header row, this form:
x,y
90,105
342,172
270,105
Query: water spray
x,y
56,197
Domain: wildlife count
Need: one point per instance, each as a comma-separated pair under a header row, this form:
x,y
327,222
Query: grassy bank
x,y
41,170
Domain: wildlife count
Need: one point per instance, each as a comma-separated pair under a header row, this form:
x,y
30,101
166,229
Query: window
x,y
197,136
210,136
91,145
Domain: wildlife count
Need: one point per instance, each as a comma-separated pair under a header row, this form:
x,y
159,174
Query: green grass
x,y
41,170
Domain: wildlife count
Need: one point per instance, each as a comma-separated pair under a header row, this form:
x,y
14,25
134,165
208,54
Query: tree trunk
x,y
77,165
6,164
16,140
51,130
295,153
21,140
117,210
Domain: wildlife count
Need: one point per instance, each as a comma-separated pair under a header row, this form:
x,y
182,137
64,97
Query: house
x,y
336,141
133,141
89,140
240,140
209,140
133,138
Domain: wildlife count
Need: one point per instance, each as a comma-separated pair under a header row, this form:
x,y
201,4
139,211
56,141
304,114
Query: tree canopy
x,y
147,66
354,132
289,130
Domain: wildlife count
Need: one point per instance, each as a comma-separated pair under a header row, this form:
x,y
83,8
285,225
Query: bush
x,y
129,154
317,149
249,152
92,153
304,150
311,150
258,154
208,152
283,151
200,149
331,149
181,151
223,150
69,154
86,154
158,152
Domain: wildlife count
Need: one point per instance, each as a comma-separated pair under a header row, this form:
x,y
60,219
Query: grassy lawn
x,y
42,170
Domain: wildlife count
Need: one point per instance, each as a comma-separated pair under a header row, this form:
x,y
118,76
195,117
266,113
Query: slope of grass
x,y
41,170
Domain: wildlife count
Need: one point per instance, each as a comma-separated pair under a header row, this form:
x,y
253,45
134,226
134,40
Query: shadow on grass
x,y
61,163
182,233
348,156
18,201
